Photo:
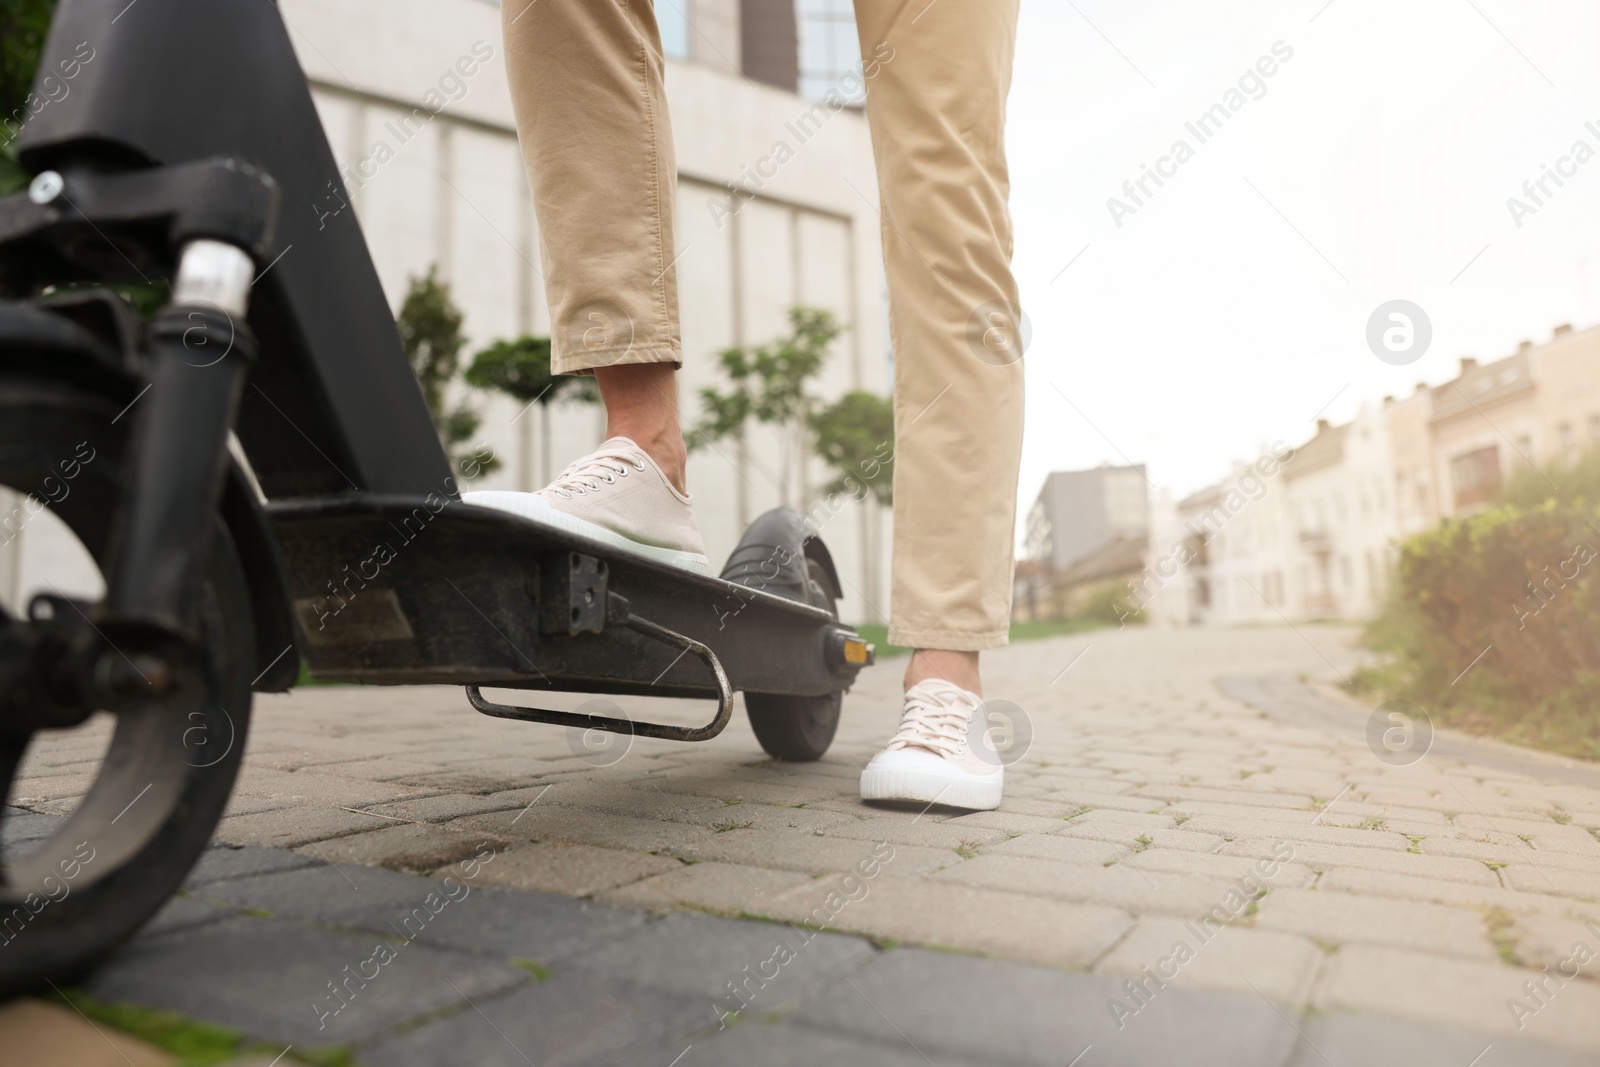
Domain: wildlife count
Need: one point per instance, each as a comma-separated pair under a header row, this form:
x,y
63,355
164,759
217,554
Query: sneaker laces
x,y
603,465
935,717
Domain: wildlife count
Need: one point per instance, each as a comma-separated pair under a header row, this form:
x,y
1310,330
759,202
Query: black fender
x,y
266,576
772,554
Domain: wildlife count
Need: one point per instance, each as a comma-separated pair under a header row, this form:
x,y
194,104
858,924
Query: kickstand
x,y
626,726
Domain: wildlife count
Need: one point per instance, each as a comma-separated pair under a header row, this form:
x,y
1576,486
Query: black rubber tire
x,y
40,424
798,729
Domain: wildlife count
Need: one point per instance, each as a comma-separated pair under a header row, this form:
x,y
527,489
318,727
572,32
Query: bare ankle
x,y
642,404
957,668
667,449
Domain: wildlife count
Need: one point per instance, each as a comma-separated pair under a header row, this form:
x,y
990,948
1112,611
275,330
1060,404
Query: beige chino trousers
x,y
587,86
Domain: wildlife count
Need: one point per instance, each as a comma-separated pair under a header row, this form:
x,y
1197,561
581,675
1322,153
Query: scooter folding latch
x,y
627,726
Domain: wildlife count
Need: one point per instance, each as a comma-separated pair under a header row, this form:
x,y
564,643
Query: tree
x,y
521,369
768,384
855,437
23,26
430,329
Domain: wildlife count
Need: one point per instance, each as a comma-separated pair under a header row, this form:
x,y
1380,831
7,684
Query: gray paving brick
x,y
1058,847
802,850
1379,1042
1227,868
567,1020
583,827
766,966
1535,877
1004,1014
1118,886
576,870
990,922
902,828
19,826
223,862
290,827
1345,918
711,886
783,1044
1190,955
1454,992
1421,865
401,847
444,807
271,978
185,913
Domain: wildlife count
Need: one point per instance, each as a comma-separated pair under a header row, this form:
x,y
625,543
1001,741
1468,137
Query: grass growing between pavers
x,y
195,1044
1498,924
537,972
877,634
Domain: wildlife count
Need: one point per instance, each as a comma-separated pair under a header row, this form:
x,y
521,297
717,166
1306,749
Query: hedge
x,y
1494,624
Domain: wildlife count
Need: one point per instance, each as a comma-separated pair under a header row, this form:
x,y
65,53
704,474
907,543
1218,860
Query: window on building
x,y
1475,476
830,53
673,18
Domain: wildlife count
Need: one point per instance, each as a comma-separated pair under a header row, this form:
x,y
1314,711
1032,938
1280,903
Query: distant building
x,y
1082,531
1456,445
1115,565
1320,537
1080,512
1338,499
1220,555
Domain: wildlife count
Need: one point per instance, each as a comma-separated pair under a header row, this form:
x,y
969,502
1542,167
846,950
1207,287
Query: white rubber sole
x,y
532,506
955,788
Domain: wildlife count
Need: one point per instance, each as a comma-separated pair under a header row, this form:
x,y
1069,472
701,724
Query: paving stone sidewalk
x,y
1200,859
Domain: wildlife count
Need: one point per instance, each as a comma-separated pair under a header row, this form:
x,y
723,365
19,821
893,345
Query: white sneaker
x,y
934,757
616,495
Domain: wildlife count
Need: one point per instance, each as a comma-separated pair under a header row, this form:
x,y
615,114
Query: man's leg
x,y
938,75
937,110
586,85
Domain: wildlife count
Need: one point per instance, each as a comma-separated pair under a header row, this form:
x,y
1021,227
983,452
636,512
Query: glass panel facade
x,y
829,51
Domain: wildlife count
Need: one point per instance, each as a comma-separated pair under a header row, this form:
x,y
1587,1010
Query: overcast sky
x,y
1232,307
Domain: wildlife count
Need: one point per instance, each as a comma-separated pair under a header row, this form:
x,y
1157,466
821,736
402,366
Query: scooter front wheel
x,y
73,888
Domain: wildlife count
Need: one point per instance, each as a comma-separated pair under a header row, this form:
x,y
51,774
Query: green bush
x,y
1494,624
1110,604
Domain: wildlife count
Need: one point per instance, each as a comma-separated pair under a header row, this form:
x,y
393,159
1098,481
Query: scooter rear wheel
x,y
81,887
798,729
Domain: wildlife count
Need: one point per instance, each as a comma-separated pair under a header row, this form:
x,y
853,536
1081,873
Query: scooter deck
x,y
400,590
